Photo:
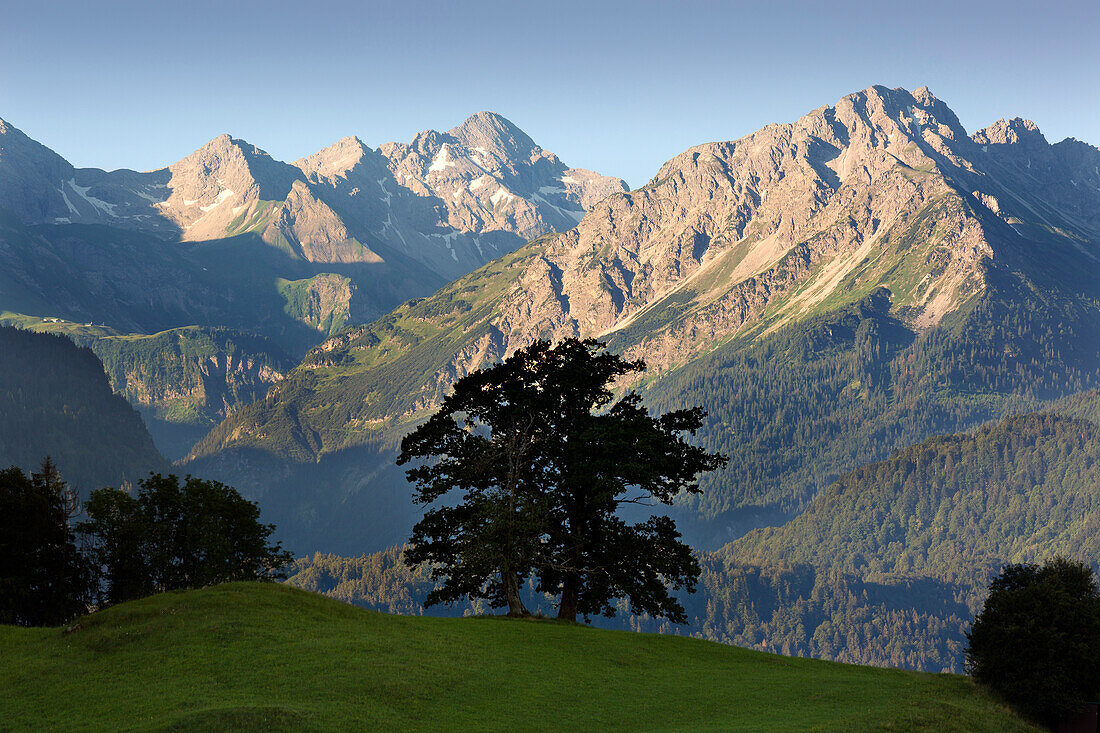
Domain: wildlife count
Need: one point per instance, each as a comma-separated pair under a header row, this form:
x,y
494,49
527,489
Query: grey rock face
x,y
454,200
40,187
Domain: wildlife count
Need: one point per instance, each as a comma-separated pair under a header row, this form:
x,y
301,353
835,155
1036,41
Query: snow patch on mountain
x,y
99,204
221,199
441,163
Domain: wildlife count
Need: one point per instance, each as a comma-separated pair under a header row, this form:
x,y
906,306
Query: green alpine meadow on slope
x,y
256,656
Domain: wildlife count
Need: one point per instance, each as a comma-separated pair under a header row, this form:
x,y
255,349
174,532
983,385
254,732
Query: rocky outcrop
x,y
190,375
322,302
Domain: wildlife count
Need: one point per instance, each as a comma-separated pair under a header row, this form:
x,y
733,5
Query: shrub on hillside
x,y
1037,639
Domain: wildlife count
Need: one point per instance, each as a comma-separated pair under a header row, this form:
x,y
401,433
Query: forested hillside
x,y
796,409
886,567
928,527
55,399
954,507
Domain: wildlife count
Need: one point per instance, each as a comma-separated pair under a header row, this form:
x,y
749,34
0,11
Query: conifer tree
x,y
44,579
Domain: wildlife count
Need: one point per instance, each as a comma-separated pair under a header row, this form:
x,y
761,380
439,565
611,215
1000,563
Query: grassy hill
x,y
251,656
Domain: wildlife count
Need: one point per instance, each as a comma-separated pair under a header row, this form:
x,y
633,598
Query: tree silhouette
x,y
174,535
44,579
1037,638
543,457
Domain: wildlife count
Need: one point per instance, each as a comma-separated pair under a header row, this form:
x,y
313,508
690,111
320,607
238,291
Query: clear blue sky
x,y
619,87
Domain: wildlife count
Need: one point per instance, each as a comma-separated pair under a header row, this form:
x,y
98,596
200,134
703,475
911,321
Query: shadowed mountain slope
x,y
55,400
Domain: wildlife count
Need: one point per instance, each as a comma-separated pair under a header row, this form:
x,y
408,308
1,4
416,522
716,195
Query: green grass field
x,y
269,657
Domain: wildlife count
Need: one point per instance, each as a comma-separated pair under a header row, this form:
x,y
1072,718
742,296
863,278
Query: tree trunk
x,y
567,609
511,593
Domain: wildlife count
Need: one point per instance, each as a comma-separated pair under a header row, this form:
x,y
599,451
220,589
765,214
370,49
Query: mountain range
x,y
448,201
830,290
230,238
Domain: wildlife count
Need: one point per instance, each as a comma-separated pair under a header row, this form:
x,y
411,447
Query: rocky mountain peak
x,y
426,142
15,143
487,123
228,155
496,134
335,160
221,142
32,178
1011,132
456,199
213,186
917,115
925,96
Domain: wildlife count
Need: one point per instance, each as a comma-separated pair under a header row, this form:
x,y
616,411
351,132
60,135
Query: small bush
x,y
1037,639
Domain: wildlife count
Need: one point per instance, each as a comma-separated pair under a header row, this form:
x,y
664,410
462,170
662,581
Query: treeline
x,y
382,581
812,612
887,567
379,581
53,393
793,610
165,536
795,410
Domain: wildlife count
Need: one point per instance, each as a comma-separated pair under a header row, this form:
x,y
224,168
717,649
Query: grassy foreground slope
x,y
268,657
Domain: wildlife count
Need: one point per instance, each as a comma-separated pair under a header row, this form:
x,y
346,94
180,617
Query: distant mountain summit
x,y
455,200
449,201
40,187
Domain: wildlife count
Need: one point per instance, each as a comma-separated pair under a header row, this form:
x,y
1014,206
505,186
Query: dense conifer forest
x,y
796,409
55,398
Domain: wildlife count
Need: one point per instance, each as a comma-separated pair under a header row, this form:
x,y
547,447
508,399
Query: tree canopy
x,y
1037,639
542,457
172,535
